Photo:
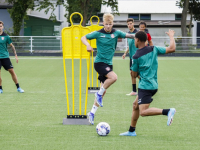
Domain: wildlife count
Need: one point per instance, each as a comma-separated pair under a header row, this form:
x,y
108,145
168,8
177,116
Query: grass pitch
x,y
33,120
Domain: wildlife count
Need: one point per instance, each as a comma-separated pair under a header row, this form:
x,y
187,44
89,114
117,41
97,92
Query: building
x,y
160,15
37,23
5,16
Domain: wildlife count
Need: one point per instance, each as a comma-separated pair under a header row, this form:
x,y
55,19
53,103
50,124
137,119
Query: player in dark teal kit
x,y
4,58
145,64
132,50
106,40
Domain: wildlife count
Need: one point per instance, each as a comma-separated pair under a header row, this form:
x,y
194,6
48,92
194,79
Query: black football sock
x,y
17,85
0,87
165,112
134,87
131,129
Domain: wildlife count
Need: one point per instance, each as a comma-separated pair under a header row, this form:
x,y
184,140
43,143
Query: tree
x,y
185,5
18,12
86,7
193,8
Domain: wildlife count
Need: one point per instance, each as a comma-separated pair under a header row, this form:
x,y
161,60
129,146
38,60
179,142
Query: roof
x,y
5,5
144,6
42,17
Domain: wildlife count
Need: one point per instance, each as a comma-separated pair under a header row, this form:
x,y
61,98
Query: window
x,y
178,16
145,17
134,16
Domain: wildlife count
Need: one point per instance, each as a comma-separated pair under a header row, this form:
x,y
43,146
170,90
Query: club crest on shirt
x,y
2,38
112,35
108,68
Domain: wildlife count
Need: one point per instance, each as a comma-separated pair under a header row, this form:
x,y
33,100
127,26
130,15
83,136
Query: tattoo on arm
x,y
131,36
13,49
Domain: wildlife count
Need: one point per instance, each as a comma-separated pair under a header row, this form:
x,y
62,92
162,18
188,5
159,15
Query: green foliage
x,y
193,8
9,31
49,5
87,8
18,13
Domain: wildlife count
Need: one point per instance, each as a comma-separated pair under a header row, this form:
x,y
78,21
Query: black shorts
x,y
103,69
6,63
145,96
131,62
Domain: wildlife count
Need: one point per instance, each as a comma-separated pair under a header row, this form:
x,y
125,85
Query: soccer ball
x,y
103,129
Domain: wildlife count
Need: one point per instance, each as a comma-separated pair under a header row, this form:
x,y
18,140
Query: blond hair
x,y
108,18
1,22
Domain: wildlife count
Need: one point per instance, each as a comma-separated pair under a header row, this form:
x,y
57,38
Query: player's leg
x,y
111,78
107,77
133,79
14,77
95,106
9,67
145,98
1,90
134,119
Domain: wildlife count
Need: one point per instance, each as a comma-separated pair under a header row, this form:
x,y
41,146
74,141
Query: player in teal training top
x,y
106,40
145,64
132,50
4,58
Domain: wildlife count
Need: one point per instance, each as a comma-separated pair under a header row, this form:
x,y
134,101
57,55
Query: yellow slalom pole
x,y
88,65
92,69
66,84
72,74
80,73
86,95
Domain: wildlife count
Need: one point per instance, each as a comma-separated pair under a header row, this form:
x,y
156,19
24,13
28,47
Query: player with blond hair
x,y
106,40
4,58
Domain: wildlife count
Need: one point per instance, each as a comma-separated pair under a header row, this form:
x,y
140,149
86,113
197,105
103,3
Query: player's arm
x,y
135,74
150,43
131,36
124,55
172,45
85,42
14,51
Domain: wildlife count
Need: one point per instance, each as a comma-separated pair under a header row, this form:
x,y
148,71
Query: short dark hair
x,y
142,22
141,35
130,19
1,22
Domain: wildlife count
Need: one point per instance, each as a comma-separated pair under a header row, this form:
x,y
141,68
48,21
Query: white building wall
x,y
59,12
171,16
121,17
162,16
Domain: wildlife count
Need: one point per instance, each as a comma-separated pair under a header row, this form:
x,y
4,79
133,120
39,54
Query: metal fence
x,y
37,44
53,44
183,44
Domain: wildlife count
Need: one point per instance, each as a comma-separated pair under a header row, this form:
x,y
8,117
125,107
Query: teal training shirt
x,y
106,44
4,40
131,44
145,62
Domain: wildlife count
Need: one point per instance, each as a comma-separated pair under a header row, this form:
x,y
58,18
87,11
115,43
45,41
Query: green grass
x,y
33,120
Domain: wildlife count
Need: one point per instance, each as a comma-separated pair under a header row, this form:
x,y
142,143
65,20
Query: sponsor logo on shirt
x,y
103,36
112,35
2,38
108,68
